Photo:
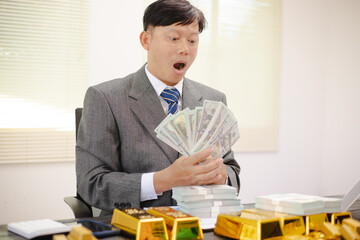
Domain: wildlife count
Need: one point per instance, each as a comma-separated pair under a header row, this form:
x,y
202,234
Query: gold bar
x,y
138,222
349,233
314,222
179,224
290,224
228,226
247,226
331,231
80,233
59,237
337,218
294,237
354,224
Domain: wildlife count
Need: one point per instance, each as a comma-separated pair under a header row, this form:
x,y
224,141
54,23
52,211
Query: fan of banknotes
x,y
190,131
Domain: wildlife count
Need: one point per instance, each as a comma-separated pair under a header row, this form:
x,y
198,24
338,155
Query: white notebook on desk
x,y
36,228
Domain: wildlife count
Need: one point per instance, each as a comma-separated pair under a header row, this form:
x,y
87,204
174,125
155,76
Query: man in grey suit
x,y
119,160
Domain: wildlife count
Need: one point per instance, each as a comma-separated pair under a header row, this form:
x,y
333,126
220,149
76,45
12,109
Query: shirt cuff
x,y
147,187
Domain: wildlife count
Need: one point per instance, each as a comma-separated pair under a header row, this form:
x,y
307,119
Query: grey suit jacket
x,y
116,141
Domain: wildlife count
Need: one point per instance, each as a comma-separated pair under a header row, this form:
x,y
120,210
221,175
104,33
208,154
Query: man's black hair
x,y
168,12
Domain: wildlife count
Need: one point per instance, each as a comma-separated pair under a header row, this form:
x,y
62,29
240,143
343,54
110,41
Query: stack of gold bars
x,y
157,223
290,216
248,224
259,224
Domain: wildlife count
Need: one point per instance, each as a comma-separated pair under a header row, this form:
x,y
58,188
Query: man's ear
x,y
145,39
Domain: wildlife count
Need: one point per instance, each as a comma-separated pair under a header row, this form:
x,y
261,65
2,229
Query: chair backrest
x,y
78,113
77,204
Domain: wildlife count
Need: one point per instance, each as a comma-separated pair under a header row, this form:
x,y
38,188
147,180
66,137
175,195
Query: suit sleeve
x,y
100,179
233,170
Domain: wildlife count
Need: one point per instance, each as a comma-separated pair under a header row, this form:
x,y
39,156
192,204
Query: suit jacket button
x,y
116,205
127,205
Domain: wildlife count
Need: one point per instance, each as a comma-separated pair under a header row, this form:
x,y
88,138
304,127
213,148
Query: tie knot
x,y
171,96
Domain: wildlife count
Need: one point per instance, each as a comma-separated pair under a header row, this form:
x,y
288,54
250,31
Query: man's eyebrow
x,y
175,30
195,33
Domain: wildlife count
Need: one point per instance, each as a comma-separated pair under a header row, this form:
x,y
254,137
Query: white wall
x,y
319,114
319,149
31,191
341,134
34,191
115,51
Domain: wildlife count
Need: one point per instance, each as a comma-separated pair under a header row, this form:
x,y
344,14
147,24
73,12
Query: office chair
x,y
79,207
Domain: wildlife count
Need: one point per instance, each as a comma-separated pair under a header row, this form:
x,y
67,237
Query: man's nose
x,y
183,47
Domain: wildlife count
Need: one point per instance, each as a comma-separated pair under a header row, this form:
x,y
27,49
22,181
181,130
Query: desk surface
x,y
5,235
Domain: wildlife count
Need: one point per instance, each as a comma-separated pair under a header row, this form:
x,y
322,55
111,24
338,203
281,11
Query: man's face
x,y
171,50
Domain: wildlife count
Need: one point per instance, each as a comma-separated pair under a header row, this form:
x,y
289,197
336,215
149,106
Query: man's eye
x,y
192,41
173,38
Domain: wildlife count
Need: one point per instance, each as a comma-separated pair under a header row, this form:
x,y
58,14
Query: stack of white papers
x,y
298,204
207,201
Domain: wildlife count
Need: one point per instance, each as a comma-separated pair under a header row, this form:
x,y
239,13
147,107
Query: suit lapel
x,y
191,96
145,104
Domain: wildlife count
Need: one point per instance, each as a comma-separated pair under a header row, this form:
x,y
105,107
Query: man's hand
x,y
198,169
223,174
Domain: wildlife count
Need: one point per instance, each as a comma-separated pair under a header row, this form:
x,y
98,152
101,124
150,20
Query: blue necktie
x,y
171,96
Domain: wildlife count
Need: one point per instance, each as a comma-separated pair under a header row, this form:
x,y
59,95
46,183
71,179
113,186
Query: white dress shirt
x,y
147,179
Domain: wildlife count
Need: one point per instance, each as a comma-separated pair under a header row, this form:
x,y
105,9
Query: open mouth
x,y
179,66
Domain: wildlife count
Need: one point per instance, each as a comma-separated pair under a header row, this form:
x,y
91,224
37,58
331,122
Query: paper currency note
x,y
160,126
226,124
174,136
210,109
178,122
198,114
213,126
163,136
223,144
190,127
190,131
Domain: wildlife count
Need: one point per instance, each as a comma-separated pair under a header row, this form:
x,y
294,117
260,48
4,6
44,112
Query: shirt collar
x,y
159,86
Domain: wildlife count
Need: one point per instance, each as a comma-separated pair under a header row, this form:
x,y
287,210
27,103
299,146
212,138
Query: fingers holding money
x,y
197,169
221,177
200,157
211,171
